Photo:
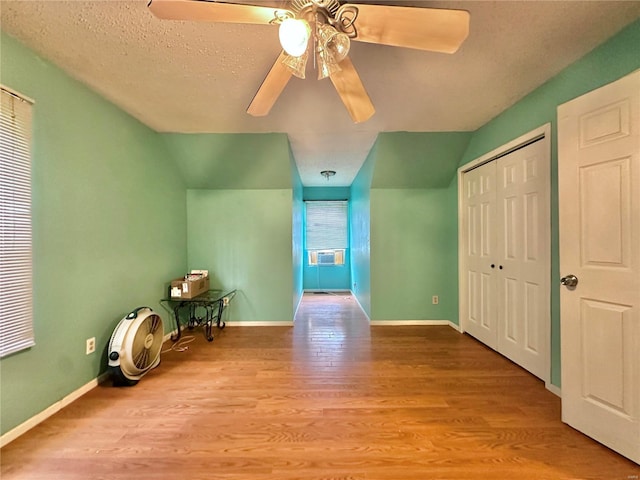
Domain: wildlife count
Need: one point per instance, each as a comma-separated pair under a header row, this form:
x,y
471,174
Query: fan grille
x,y
147,342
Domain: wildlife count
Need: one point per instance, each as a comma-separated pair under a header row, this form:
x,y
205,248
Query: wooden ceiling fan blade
x,y
431,29
206,11
271,88
352,92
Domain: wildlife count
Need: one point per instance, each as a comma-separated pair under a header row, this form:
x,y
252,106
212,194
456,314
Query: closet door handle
x,y
569,281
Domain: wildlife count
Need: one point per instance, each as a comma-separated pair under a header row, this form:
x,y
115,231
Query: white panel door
x,y
480,314
505,252
599,185
523,257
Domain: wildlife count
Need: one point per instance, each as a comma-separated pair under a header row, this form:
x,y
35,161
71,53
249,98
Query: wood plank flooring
x,y
330,398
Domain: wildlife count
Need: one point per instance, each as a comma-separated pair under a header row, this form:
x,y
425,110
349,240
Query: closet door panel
x,y
479,311
523,220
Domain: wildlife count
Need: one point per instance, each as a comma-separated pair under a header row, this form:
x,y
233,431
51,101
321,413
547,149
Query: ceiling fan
x,y
326,27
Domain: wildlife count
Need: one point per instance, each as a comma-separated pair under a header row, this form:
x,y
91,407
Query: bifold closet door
x,y
507,256
480,222
523,257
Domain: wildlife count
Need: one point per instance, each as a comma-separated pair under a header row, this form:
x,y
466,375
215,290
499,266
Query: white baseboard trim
x,y
238,323
456,327
331,290
553,389
375,323
360,305
404,323
38,418
287,323
295,310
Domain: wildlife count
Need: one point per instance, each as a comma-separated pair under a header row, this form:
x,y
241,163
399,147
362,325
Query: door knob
x,y
569,281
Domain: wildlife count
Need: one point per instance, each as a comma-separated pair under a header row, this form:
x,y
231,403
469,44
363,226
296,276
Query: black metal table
x,y
200,311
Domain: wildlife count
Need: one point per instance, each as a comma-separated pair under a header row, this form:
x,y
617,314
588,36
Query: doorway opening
x,y
326,262
336,313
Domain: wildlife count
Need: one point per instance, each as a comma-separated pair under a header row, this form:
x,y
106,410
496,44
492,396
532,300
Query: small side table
x,y
202,310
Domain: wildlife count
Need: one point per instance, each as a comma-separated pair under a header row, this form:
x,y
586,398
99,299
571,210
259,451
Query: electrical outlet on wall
x,y
91,345
435,300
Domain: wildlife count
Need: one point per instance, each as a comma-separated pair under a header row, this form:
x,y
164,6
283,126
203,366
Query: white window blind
x,y
16,311
326,225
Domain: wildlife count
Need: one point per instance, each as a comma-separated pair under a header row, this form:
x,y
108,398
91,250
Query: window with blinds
x,y
326,232
16,310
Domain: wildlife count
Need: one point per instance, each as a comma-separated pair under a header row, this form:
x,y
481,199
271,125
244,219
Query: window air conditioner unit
x,y
326,258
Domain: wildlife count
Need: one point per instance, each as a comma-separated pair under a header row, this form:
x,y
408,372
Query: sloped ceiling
x,y
188,77
417,160
232,160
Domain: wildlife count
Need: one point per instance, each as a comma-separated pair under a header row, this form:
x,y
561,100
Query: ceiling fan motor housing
x,y
329,6
135,346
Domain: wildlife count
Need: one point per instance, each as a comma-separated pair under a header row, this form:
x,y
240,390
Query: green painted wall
x,y
418,159
326,193
411,254
297,229
244,218
244,239
109,231
360,232
452,225
245,161
610,61
407,223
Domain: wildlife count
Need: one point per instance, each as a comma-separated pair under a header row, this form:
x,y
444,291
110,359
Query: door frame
x,y
543,134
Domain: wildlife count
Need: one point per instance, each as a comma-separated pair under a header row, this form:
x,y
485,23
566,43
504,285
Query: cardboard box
x,y
189,286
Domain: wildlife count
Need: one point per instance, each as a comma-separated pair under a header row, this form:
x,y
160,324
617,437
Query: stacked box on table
x,y
189,286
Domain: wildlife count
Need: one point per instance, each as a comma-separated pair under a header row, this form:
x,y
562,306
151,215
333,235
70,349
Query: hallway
x,y
330,331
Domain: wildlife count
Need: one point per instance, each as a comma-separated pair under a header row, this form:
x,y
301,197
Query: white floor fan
x,y
135,345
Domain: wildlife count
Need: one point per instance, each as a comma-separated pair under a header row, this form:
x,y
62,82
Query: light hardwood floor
x,y
330,398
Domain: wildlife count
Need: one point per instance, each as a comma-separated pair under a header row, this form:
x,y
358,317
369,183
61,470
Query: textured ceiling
x,y
200,77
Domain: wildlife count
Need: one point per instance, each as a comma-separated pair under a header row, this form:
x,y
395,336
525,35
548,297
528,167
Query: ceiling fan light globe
x,y
339,45
294,36
327,65
296,65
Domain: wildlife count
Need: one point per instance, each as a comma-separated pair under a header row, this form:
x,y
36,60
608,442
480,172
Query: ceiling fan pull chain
x,y
314,45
